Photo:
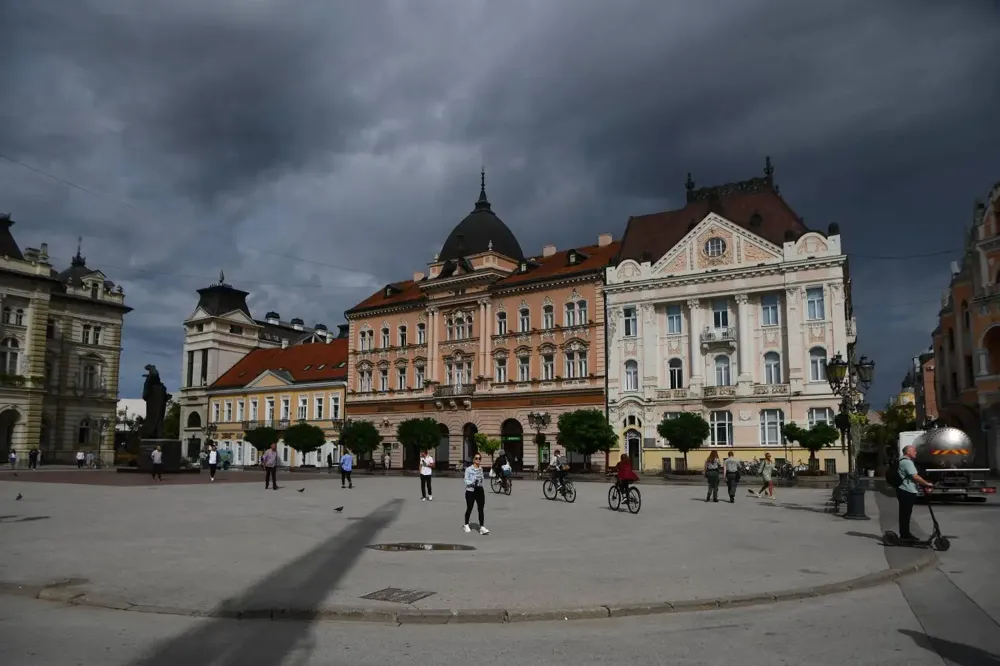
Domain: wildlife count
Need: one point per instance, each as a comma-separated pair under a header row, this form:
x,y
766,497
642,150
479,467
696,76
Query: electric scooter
x,y
936,540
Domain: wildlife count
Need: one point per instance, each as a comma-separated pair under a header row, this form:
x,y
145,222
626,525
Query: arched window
x,y
84,432
581,313
401,334
722,371
501,323
8,356
19,317
524,320
951,339
631,376
8,315
675,370
721,424
385,336
772,368
548,317
91,376
817,364
194,420
570,317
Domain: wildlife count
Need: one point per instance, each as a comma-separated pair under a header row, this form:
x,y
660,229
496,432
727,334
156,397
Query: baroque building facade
x,y
60,349
487,341
730,308
966,341
218,334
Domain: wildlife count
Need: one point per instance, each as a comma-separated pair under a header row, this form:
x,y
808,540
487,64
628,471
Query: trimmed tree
x,y
424,434
305,437
686,432
487,445
261,438
360,437
586,431
814,439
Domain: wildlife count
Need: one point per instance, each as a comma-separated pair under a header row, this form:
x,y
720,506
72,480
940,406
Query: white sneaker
x,y
430,498
483,530
466,529
423,499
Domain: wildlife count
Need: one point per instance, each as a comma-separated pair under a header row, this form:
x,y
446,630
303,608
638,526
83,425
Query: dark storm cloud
x,y
316,150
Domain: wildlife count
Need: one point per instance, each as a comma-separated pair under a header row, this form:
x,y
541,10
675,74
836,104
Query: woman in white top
x,y
426,474
213,461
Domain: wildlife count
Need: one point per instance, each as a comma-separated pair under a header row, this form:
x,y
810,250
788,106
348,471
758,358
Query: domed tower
x,y
481,231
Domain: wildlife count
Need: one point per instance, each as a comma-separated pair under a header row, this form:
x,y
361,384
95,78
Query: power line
x,y
893,257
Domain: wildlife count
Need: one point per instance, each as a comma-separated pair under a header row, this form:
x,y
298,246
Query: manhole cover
x,y
420,546
397,595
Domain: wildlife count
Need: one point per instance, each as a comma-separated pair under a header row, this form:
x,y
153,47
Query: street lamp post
x,y
849,379
539,421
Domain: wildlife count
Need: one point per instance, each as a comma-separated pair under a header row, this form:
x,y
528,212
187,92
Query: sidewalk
x,y
192,547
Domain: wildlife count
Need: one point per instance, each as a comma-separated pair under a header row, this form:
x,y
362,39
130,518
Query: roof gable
x,y
269,378
739,247
297,364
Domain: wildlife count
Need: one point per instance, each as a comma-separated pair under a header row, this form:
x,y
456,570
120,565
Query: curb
x,y
68,594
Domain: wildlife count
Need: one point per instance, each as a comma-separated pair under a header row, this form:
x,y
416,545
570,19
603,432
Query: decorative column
x,y
484,337
744,341
838,316
959,313
432,346
696,366
488,328
794,333
650,369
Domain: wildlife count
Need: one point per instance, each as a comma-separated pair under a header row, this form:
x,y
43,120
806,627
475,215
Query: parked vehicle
x,y
945,458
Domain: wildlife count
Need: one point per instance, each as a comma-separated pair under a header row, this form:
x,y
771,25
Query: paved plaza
x,y
195,546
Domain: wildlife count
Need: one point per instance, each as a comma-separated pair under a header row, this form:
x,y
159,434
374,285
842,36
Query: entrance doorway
x,y
443,451
512,441
8,421
633,442
469,447
411,456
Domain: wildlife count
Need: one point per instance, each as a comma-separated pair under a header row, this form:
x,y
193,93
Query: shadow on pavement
x,y
801,507
954,653
300,584
874,537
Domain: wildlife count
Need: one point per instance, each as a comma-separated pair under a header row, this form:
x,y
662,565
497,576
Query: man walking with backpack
x,y
906,480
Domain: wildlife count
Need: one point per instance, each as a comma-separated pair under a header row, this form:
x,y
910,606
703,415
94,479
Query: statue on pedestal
x,y
154,392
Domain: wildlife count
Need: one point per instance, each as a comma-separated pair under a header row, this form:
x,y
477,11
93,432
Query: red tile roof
x,y
557,266
402,292
654,235
312,362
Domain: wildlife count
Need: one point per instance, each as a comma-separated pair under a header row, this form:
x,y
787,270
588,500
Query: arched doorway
x,y
633,444
443,451
9,419
469,447
512,441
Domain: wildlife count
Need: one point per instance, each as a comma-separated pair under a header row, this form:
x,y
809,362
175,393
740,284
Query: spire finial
x,y
222,277
79,245
768,169
79,259
482,203
689,183
490,246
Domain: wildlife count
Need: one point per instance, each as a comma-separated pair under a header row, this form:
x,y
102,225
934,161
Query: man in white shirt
x,y
80,459
426,473
213,461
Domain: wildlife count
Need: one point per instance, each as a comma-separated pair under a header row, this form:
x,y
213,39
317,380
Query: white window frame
x,y
630,322
421,333
524,320
548,367
269,409
254,411
85,337
286,408
319,407
770,310
216,411
386,337
523,368
815,304
772,368
335,406
675,322
418,377
240,411
581,313
720,313
500,369
720,420
581,363
401,335
501,323
675,373
817,365
771,418
302,409
825,413
569,315
723,371
570,365
401,378
548,317
383,379
631,376
97,335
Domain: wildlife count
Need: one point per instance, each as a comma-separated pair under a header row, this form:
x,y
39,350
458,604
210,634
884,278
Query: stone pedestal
x,y
171,449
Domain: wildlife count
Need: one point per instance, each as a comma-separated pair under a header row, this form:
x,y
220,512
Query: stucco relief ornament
x,y
792,294
630,347
745,415
675,345
742,299
647,312
693,303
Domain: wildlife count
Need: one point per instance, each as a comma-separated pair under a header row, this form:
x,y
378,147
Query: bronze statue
x,y
154,392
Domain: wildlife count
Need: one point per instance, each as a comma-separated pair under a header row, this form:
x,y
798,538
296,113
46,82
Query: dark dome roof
x,y
480,231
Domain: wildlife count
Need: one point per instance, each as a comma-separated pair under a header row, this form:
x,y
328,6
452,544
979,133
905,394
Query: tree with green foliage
x,y
487,445
360,438
422,434
305,437
585,431
813,439
261,438
171,421
685,432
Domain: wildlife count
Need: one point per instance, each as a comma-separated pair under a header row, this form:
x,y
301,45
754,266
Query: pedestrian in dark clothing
x,y
329,463
713,468
33,459
732,466
270,462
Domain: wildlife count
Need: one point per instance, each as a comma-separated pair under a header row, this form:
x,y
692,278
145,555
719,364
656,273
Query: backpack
x,y
892,476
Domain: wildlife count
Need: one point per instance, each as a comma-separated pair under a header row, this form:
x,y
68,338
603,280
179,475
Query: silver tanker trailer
x,y
945,457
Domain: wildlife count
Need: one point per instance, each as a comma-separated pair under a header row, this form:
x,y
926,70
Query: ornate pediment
x,y
715,243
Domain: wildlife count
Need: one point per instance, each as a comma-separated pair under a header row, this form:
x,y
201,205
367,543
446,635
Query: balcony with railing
x,y
718,337
675,394
454,390
719,393
763,390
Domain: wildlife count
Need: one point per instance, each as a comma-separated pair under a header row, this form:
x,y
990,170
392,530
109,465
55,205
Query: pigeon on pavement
x,y
339,509
18,496
302,490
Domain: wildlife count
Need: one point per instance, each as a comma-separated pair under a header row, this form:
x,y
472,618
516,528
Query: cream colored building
x,y
60,347
728,307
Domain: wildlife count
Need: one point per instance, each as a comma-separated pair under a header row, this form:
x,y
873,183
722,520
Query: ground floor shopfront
x,y
656,460
525,425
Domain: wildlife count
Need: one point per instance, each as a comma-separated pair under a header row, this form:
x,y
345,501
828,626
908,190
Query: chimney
x,y
417,277
43,255
548,250
343,330
329,337
297,324
320,327
604,240
272,318
31,254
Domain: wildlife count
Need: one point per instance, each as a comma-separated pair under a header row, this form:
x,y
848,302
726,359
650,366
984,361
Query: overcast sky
x,y
317,149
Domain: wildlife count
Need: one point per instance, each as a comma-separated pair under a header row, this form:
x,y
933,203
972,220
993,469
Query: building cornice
x,y
720,276
288,388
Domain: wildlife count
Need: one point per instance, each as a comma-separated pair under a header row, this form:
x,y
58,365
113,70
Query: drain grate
x,y
397,595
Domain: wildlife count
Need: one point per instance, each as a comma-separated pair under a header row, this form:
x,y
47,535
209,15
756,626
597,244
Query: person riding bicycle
x,y
558,468
502,467
625,474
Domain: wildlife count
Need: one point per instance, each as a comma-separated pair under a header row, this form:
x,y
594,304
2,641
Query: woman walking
x,y
426,474
713,467
766,470
213,461
475,493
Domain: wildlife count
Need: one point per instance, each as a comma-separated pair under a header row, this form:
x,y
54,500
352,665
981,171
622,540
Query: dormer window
x,y
572,258
93,290
524,267
236,330
388,292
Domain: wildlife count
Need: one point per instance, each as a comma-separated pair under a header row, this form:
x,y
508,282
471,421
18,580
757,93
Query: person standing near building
x,y
12,458
386,462
213,461
157,458
907,492
475,493
81,458
270,462
346,467
329,463
426,473
732,465
713,468
33,458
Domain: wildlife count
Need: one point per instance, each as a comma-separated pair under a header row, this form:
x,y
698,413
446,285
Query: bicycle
x,y
632,497
501,483
567,490
96,463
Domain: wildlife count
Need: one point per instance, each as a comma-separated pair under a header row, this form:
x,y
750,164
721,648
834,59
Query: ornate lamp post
x,y
539,421
849,379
